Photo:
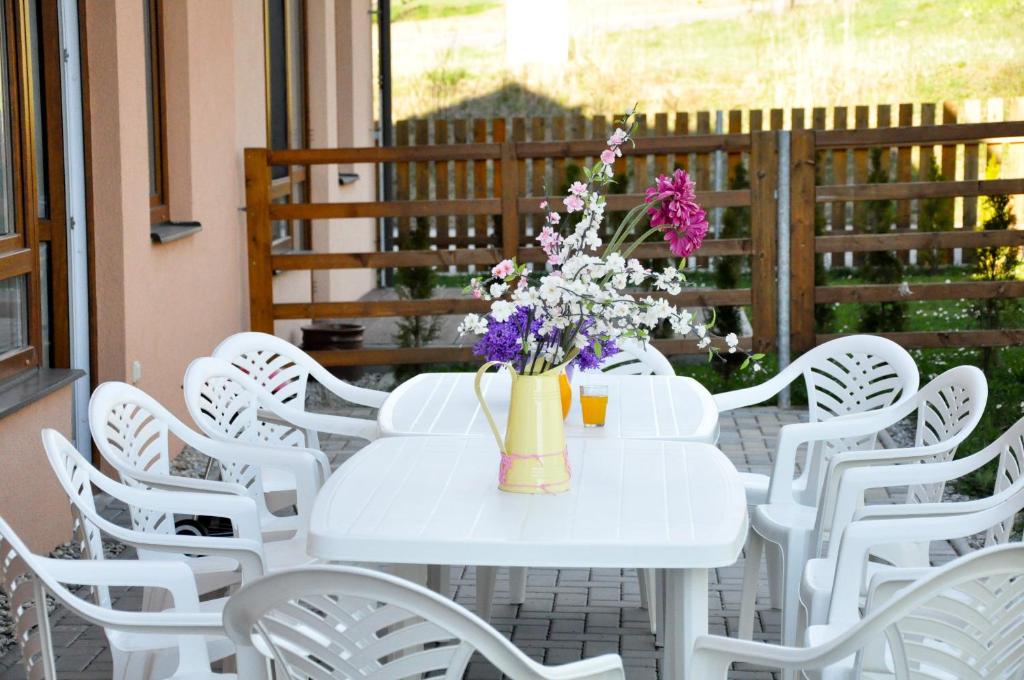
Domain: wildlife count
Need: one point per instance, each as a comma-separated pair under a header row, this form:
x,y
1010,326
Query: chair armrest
x,y
751,396
851,483
860,537
853,425
324,422
174,577
347,391
604,667
714,654
164,482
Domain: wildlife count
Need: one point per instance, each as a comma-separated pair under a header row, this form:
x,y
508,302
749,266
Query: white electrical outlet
x,y
136,372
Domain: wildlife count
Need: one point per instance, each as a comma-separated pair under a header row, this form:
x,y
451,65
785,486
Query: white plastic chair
x,y
132,432
962,622
637,358
948,409
179,637
954,520
284,370
326,622
214,560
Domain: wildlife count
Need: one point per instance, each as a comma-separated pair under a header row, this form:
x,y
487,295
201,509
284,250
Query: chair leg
x,y
748,596
485,578
793,562
517,584
773,557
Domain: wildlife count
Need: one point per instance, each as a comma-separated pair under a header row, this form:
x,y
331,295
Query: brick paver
x,y
569,614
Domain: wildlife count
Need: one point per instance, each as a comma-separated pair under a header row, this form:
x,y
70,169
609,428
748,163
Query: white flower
x,y
703,342
498,289
732,341
501,310
473,323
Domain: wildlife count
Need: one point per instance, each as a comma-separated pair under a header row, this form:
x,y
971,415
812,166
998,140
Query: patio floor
x,y
569,614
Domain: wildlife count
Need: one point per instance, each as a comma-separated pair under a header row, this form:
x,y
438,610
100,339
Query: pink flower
x,y
554,218
550,242
607,156
618,137
573,203
503,269
677,213
543,205
477,294
578,189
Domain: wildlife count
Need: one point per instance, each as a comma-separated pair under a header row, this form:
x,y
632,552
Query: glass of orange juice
x,y
594,404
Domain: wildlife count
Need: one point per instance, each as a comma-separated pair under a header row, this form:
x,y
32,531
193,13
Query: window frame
x,y
159,202
294,187
20,250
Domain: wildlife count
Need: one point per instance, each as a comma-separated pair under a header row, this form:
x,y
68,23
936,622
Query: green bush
x,y
415,283
882,266
729,270
995,264
935,214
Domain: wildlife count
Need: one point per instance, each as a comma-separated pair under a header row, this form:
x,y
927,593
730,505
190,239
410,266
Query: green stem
x,y
643,237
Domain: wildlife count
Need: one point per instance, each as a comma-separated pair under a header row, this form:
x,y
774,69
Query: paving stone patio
x,y
569,613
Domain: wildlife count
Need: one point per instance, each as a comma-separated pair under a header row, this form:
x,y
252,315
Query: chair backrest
x,y
1009,474
327,622
225,403
962,622
637,358
31,629
29,578
131,431
967,626
949,407
854,374
75,473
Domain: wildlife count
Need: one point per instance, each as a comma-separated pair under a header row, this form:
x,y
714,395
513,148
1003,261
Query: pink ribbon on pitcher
x,y
508,458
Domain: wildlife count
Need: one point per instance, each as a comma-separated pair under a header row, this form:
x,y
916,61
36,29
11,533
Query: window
x,y
33,277
156,112
286,111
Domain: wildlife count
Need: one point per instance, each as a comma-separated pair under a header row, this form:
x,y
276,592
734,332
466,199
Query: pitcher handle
x,y
483,403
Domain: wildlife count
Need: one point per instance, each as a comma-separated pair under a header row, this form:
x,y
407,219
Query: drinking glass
x,y
594,404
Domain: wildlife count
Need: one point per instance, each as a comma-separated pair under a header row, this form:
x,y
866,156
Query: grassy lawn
x,y
686,55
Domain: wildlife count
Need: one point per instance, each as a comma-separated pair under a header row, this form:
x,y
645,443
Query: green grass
x,y
879,51
420,10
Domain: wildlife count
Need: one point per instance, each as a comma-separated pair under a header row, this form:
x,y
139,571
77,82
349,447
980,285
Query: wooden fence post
x,y
509,194
257,218
801,239
764,150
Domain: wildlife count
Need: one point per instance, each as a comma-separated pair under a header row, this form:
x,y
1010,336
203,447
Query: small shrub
x,y
415,283
935,214
882,266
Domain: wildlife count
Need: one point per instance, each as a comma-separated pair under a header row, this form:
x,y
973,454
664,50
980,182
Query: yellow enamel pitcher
x,y
533,453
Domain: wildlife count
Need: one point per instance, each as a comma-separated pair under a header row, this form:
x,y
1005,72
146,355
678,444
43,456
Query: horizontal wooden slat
x,y
381,356
969,290
396,355
897,190
644,146
707,199
467,256
383,308
940,339
378,260
15,263
925,134
860,243
377,154
324,211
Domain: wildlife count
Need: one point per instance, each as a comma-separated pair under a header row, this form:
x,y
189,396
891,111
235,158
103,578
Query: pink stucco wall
x,y
33,502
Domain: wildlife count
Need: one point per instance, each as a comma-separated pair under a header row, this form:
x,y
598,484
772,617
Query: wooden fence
x,y
496,187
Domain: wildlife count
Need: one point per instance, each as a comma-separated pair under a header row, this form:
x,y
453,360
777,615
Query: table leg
x,y
485,578
439,579
659,608
686,618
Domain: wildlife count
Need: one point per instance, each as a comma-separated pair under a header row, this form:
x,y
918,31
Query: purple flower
x,y
501,342
677,214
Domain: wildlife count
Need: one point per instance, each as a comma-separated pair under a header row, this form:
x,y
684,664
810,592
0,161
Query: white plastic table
x,y
639,407
677,506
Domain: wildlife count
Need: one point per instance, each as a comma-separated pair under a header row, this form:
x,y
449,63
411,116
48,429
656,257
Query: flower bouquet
x,y
588,298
